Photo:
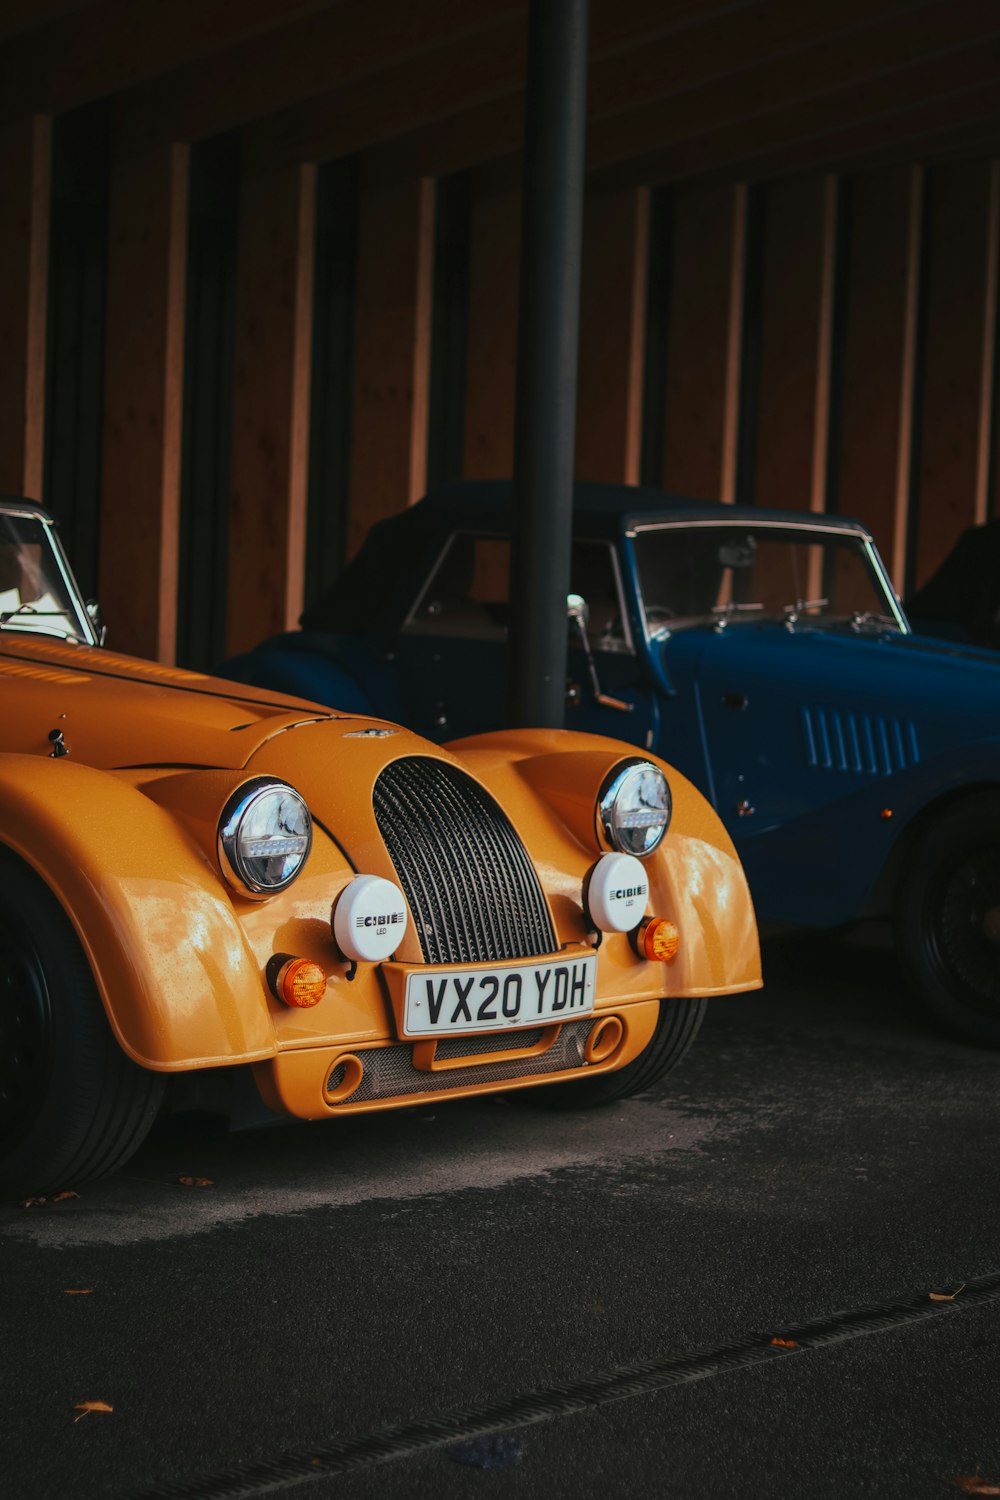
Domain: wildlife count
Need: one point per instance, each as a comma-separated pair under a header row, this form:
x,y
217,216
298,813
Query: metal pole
x,y
548,338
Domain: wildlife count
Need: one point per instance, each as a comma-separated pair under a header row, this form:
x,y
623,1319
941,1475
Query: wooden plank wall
x,y
828,342
271,404
26,152
143,395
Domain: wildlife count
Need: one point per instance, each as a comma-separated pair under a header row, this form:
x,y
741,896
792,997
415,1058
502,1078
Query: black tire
x,y
676,1028
948,920
72,1106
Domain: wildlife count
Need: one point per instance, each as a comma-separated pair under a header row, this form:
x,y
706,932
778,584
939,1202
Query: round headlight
x,y
633,808
265,834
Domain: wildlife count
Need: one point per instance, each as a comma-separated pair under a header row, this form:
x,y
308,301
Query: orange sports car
x,y
204,884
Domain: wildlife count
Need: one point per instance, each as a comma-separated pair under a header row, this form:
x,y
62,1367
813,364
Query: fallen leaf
x,y
973,1484
56,1198
947,1297
77,1291
196,1181
86,1407
785,1343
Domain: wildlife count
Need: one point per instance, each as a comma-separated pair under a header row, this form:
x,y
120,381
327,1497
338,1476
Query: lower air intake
x,y
389,1072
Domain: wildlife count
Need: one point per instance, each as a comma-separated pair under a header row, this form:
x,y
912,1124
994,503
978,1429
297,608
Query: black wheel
x,y
678,1024
948,920
72,1105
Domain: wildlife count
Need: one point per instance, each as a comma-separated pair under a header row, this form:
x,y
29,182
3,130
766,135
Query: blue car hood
x,y
930,696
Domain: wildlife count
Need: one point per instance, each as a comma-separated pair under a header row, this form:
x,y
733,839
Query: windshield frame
x,y
86,634
770,523
414,626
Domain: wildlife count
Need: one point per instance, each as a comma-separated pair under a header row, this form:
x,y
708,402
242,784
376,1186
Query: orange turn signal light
x,y
658,939
296,981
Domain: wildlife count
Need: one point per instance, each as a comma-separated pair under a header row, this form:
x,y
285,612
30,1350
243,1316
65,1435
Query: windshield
x,y
724,574
35,593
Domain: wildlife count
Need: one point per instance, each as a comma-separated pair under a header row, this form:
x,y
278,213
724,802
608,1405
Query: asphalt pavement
x,y
720,1288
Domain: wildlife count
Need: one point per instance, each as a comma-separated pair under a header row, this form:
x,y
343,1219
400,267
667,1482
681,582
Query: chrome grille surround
x,y
471,887
389,1072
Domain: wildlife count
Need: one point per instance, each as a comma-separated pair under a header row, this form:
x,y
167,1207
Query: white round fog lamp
x,y
265,834
369,919
633,808
616,893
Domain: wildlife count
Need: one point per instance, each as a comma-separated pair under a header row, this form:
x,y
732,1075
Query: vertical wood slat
x,y
818,490
987,446
334,297
140,500
790,365
75,343
420,377
298,467
392,366
956,287
271,401
173,405
908,383
612,337
449,330
492,338
637,337
734,346
25,193
704,353
210,327
41,196
871,336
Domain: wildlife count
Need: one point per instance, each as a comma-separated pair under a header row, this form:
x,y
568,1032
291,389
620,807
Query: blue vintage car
x,y
764,653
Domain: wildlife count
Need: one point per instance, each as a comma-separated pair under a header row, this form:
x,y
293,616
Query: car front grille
x,y
470,885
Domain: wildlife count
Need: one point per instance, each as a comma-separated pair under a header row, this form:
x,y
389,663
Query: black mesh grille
x,y
470,885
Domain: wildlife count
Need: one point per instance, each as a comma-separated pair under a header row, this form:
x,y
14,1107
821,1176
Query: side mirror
x,y
578,613
94,616
577,610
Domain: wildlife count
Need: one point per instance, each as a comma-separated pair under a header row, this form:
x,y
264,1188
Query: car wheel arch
x,y
73,1105
946,918
119,913
885,890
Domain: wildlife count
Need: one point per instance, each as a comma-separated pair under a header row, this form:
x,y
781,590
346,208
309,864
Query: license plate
x,y
499,999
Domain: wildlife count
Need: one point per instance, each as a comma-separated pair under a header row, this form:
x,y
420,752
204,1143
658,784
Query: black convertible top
x,y
375,592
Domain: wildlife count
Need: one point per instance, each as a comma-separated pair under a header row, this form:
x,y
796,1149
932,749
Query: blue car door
x,y
608,690
453,647
801,736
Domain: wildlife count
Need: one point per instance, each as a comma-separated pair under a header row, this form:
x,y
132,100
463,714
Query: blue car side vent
x,y
864,744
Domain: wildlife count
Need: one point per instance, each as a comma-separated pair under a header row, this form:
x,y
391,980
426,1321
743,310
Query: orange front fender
x,y
695,876
178,980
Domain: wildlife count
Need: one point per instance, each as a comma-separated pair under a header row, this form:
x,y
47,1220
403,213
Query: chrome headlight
x,y
265,834
633,808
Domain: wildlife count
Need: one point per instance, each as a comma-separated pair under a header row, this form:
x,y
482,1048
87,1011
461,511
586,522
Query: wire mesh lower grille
x,y
389,1072
499,1041
470,885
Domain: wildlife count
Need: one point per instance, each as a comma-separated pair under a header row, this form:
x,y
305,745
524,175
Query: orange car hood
x,y
116,711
